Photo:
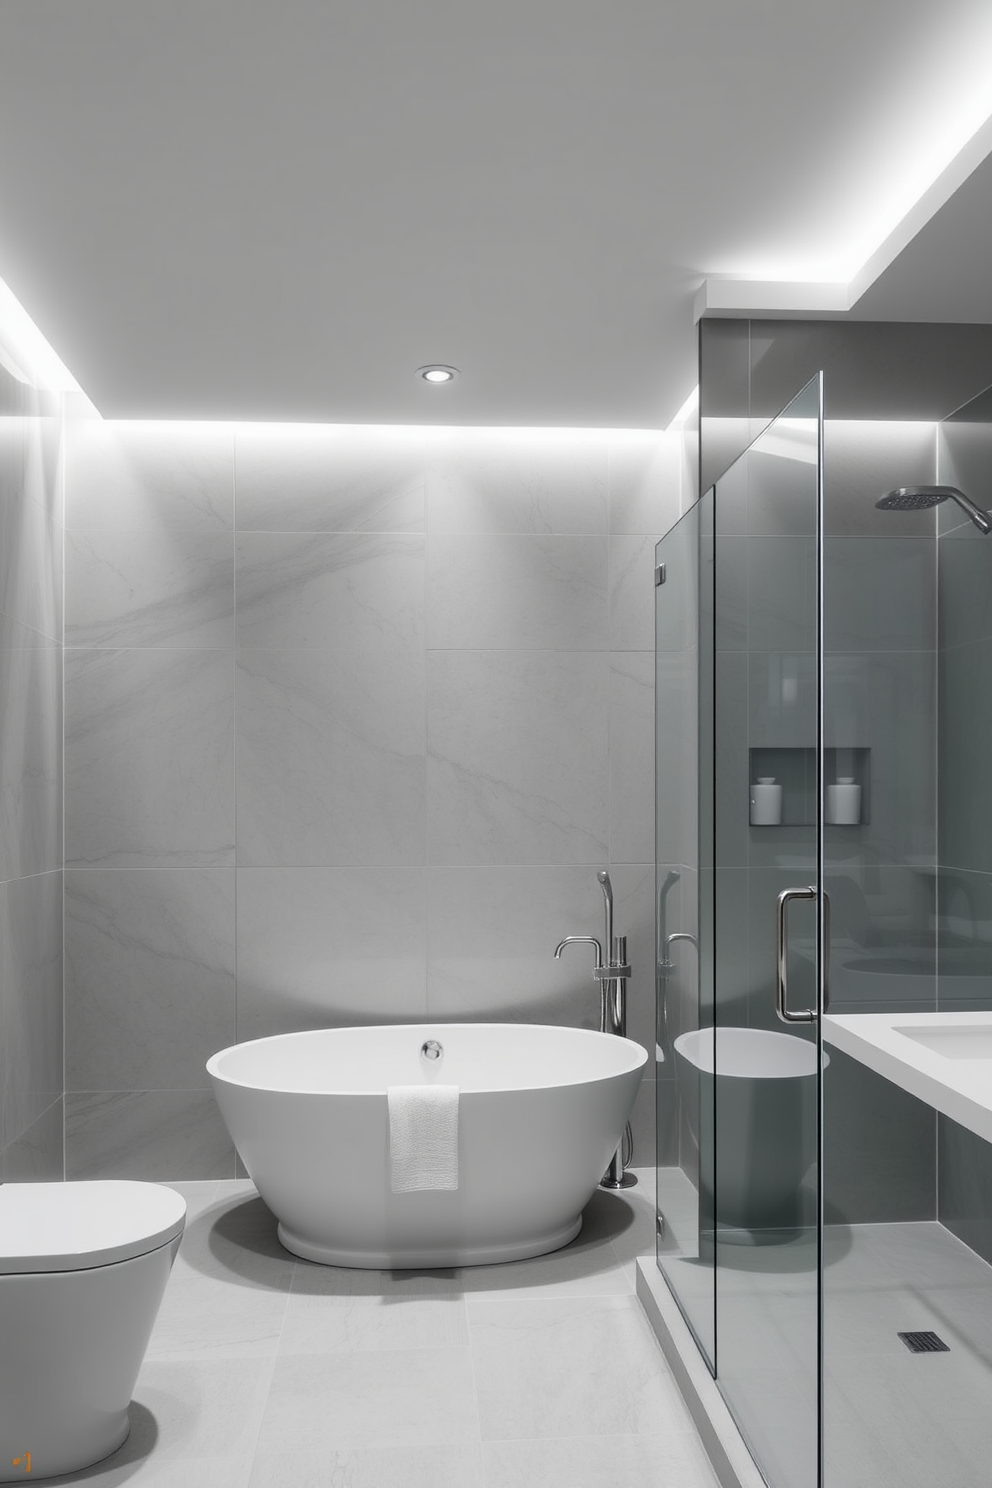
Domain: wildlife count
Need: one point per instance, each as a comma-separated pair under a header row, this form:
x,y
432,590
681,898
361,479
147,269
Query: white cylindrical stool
x,y
83,1268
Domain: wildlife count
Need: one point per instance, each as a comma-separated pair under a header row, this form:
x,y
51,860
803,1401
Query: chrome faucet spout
x,y
581,940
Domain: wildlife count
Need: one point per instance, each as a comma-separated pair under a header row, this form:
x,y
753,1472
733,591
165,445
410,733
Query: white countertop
x,y
945,1059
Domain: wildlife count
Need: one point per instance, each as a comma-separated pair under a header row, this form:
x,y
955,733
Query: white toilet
x,y
83,1268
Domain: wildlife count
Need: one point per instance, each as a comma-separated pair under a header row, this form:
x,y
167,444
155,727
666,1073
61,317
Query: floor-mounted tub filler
x,y
540,1113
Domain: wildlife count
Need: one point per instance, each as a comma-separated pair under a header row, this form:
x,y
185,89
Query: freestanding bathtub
x,y
766,1120
541,1111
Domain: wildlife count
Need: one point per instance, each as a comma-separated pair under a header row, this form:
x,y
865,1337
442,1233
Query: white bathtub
x,y
541,1112
766,1119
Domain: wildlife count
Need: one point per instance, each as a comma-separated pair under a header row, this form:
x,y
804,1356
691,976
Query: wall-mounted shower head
x,y
919,498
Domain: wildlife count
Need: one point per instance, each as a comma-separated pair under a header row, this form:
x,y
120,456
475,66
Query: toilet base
x,y
73,1345
53,1458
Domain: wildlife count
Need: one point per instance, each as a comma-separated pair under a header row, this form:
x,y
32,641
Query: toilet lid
x,y
74,1226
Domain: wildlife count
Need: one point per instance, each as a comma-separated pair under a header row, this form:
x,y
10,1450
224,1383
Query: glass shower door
x,y
766,941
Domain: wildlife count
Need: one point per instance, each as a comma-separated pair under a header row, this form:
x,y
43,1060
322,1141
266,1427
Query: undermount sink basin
x,y
966,1041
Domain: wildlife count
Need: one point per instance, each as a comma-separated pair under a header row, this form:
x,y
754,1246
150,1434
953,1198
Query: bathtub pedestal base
x,y
406,1259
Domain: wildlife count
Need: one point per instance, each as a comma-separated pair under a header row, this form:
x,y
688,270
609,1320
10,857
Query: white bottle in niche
x,y
844,802
766,802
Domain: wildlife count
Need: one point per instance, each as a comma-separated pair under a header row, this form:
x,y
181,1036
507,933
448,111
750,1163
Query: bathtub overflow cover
x,y
431,1049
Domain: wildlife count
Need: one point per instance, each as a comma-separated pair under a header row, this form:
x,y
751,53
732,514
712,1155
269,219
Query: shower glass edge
x,y
738,697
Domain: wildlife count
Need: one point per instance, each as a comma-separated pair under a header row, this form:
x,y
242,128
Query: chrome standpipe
x,y
612,978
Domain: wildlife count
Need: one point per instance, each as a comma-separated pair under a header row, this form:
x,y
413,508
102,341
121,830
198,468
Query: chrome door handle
x,y
808,1015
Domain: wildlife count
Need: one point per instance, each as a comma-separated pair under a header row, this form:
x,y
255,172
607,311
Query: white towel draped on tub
x,y
423,1137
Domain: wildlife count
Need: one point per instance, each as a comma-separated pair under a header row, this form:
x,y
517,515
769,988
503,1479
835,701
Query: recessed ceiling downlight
x,y
437,374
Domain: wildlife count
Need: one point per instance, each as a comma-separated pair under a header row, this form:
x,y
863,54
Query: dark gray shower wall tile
x,y
781,591
30,752
732,918
331,757
157,476
519,591
731,592
964,728
123,589
149,752
963,940
153,1135
329,947
328,590
964,1168
517,481
872,370
644,482
886,703
730,505
632,757
781,479
732,785
320,478
517,756
964,459
31,991
879,595
149,968
782,705
879,1148
864,458
964,587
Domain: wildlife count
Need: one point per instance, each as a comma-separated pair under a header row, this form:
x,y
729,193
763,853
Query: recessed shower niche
x,y
795,771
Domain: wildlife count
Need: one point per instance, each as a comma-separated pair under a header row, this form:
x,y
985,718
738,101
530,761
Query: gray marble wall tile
x,y
517,591
30,752
150,990
37,1155
632,593
154,475
149,759
124,590
491,937
331,757
328,947
31,992
517,766
517,481
644,482
317,478
30,565
44,467
879,595
327,590
149,1134
632,748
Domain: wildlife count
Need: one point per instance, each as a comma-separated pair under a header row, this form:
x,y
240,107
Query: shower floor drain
x,y
924,1343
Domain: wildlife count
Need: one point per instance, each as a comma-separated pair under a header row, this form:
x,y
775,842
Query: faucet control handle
x,y
612,972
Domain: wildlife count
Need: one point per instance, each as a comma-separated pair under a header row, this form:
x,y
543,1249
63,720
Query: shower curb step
x,y
732,1462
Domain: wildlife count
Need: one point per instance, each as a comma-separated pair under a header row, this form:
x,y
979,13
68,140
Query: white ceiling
x,y
281,208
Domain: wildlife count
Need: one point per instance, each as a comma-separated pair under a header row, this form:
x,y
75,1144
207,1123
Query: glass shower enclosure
x,y
739,959
824,870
